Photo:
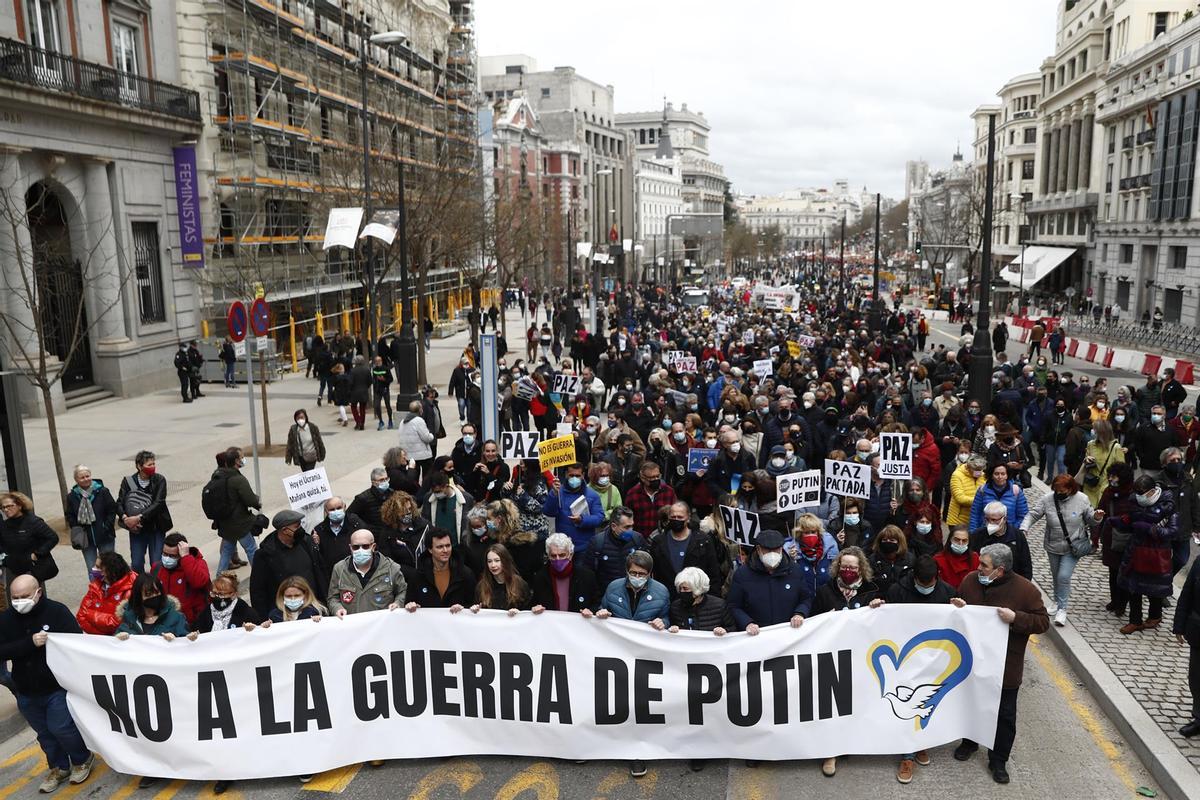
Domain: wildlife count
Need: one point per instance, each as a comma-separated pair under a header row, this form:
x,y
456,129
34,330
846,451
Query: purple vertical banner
x,y
187,202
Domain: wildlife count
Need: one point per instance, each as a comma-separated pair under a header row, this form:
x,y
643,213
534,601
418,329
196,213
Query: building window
x,y
148,272
43,25
545,92
1030,135
125,56
1126,254
1083,61
1177,257
1027,169
1160,23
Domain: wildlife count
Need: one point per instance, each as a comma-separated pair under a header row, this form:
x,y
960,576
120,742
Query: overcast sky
x,y
798,92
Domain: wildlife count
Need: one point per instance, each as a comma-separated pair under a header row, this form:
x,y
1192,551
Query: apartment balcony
x,y
54,74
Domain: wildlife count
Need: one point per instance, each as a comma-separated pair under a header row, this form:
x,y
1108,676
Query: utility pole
x,y
979,383
842,268
877,301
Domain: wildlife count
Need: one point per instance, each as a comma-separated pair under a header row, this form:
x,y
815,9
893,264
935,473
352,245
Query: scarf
x,y
86,514
221,619
849,592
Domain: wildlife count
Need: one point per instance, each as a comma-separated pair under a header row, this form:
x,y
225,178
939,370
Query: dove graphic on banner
x,y
908,703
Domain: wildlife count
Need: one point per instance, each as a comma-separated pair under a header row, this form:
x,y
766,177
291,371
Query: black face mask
x,y
154,604
222,603
677,525
889,547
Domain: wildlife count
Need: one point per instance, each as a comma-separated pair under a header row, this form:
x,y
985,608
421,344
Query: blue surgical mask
x,y
984,580
924,589
468,440
924,527
383,486
637,582
337,515
958,548
1156,418
626,536
362,557
574,482
851,519
170,562
293,603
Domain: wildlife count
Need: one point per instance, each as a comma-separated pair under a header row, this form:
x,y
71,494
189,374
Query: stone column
x,y
1073,165
16,255
1055,148
101,268
1047,146
1085,150
1065,156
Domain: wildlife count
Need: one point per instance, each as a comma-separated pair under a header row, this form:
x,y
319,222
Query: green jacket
x,y
243,502
384,585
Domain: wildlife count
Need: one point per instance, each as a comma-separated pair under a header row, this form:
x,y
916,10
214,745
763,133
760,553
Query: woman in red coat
x,y
957,560
111,581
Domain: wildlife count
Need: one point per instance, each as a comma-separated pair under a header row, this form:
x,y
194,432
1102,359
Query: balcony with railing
x,y
55,72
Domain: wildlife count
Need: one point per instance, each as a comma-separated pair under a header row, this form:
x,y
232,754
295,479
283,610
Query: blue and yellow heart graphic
x,y
919,702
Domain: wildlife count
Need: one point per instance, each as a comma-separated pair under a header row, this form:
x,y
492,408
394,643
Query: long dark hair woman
x,y
500,586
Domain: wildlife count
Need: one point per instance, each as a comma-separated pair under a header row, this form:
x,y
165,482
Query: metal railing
x,y
50,70
1167,339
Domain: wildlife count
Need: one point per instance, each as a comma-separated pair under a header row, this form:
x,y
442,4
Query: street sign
x,y
237,321
260,317
239,349
260,344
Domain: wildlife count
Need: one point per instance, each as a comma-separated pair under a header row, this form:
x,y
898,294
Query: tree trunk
x,y
55,449
474,316
262,390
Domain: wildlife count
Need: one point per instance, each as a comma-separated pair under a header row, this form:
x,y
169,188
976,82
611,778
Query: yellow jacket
x,y
962,494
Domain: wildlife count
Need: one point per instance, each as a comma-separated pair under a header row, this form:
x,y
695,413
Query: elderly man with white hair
x,y
1019,605
997,530
562,584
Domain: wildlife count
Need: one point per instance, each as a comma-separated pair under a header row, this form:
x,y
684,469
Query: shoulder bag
x,y
1079,547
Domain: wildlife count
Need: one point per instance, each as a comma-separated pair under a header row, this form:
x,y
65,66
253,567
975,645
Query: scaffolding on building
x,y
286,116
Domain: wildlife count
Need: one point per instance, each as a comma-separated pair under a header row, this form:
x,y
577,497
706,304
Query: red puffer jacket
x,y
188,583
98,612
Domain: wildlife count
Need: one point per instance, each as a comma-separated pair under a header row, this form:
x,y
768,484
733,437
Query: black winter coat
x,y
335,548
888,572
273,563
422,588
360,384
243,612
701,552
583,591
709,614
1187,613
103,530
830,598
905,591
29,671
20,538
156,518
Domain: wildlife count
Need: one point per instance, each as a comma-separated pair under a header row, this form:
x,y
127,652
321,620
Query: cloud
x,y
798,92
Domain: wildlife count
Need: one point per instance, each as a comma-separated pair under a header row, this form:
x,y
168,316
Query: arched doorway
x,y
59,286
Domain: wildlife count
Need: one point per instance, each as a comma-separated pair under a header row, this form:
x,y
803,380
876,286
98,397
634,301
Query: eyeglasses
x,y
360,547
8,505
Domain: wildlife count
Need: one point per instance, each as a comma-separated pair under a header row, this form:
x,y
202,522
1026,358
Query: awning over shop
x,y
1039,262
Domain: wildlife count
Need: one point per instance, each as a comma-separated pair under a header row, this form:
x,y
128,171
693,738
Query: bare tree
x,y
40,350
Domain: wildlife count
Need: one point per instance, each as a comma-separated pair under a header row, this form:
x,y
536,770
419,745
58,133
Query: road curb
x,y
1175,774
11,724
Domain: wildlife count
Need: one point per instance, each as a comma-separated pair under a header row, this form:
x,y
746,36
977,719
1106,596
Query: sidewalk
x,y
1140,680
186,438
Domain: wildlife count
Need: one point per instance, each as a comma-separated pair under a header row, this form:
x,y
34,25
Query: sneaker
x,y
54,779
905,772
80,772
829,767
637,769
391,427
1060,617
379,427
305,778
318,401
1052,607
922,758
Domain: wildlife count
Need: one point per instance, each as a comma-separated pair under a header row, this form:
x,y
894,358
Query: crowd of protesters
x,y
632,530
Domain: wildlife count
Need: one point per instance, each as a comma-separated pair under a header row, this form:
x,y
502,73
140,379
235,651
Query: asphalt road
x,y
1066,749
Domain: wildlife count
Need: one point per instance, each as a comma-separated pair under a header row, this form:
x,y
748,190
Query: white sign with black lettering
x,y
763,368
740,526
673,356
686,365
566,384
516,445
895,456
798,490
847,479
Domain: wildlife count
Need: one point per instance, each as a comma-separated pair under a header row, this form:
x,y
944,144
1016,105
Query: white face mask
x,y
25,604
993,528
771,560
989,430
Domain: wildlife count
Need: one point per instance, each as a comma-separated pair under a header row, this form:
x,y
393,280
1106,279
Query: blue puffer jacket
x,y
768,598
655,602
606,556
1012,496
558,505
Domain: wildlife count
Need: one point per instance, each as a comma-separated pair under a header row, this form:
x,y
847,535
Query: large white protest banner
x,y
298,698
895,456
848,479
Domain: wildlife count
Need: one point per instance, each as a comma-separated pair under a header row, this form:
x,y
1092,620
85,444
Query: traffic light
x,y
918,247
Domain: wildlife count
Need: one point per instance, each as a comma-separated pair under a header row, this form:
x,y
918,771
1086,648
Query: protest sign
x,y
686,365
793,349
566,384
557,452
525,388
748,336
698,458
302,698
673,356
895,456
806,341
773,350
307,490
798,490
516,445
763,367
740,526
847,479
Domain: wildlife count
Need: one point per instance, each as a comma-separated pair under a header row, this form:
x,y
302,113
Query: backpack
x,y
214,499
